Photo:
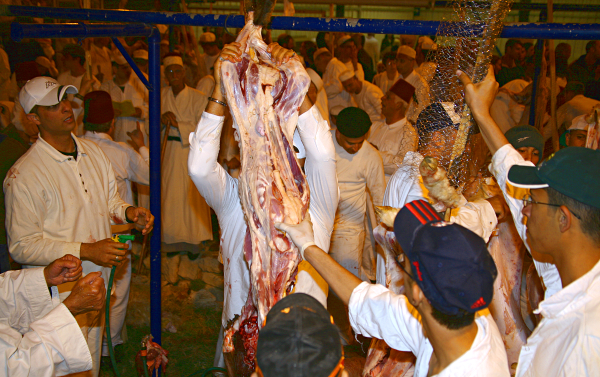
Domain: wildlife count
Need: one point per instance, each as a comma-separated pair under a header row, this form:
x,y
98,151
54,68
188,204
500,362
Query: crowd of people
x,y
75,164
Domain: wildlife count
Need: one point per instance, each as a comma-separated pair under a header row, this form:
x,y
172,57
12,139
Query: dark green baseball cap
x,y
572,171
353,122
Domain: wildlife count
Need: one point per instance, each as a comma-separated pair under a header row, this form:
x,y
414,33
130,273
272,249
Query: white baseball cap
x,y
43,91
407,51
207,37
580,123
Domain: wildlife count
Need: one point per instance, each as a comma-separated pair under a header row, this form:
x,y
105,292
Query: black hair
x,y
589,216
283,39
453,322
511,43
102,127
589,45
388,56
321,39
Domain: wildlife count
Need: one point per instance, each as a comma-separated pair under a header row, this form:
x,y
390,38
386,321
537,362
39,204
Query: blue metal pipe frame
x,y
412,27
351,25
20,31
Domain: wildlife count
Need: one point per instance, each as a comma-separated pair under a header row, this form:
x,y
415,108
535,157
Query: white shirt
x,y
502,161
421,97
54,203
393,141
336,95
406,185
383,82
133,91
102,59
369,99
38,334
129,165
359,72
578,105
567,340
376,312
221,192
357,172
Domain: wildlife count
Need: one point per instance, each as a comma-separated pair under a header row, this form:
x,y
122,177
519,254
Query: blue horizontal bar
x,y
20,31
350,25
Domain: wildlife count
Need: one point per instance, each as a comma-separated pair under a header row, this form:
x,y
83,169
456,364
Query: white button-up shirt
x,y
221,192
38,335
129,165
393,141
376,312
55,202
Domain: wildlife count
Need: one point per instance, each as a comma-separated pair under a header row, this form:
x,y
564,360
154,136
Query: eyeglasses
x,y
527,200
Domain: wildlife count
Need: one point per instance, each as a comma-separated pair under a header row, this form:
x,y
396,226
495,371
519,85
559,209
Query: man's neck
x,y
407,73
177,89
345,59
396,117
576,259
77,71
120,82
391,75
448,345
62,143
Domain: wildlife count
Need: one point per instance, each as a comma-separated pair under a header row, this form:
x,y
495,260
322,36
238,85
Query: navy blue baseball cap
x,y
572,171
450,263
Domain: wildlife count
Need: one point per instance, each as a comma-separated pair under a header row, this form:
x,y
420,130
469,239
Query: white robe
x,y
355,172
393,141
185,214
383,82
135,92
369,99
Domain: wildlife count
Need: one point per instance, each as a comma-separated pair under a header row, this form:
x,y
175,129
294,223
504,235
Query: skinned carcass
x,y
264,100
382,360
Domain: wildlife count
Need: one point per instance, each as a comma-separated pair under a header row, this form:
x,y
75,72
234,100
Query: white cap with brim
x,y
315,78
320,51
43,91
346,75
407,51
580,123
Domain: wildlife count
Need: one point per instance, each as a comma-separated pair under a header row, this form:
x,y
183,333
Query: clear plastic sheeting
x,y
465,41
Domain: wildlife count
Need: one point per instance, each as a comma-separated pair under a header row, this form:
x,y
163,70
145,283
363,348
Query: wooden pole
x,y
553,91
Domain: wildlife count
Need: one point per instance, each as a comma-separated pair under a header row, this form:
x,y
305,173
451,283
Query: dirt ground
x,y
190,325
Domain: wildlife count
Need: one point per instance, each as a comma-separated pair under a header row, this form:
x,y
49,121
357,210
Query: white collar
x,y
397,124
97,135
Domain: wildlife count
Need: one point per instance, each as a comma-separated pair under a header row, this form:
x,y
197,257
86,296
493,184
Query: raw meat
x,y
382,360
440,190
264,100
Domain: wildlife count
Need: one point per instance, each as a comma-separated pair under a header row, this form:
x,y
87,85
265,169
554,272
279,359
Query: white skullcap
x,y
579,123
320,51
315,78
140,54
170,60
407,51
427,43
346,75
343,40
207,37
120,59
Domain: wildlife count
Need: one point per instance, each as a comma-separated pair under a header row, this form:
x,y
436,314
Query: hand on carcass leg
x,y
302,234
280,55
231,52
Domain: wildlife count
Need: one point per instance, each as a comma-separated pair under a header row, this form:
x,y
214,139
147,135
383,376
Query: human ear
x,y
34,118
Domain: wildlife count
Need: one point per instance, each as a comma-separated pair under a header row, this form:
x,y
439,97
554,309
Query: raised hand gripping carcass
x,y
382,360
441,194
264,100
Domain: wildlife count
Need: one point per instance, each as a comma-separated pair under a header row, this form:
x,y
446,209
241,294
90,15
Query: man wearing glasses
x,y
448,277
563,223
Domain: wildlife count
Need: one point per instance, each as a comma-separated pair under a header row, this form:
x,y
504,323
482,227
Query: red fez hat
x,y
403,90
98,107
26,71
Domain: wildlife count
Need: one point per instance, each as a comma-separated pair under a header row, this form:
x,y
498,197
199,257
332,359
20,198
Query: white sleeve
x,y
320,172
376,312
55,346
402,189
138,165
502,161
478,216
211,180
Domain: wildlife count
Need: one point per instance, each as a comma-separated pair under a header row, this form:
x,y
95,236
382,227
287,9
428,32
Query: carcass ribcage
x,y
264,101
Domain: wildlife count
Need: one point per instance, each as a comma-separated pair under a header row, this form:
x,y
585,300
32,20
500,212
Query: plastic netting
x,y
465,40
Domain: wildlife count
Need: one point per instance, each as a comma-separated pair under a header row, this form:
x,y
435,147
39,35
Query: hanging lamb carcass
x,y
264,100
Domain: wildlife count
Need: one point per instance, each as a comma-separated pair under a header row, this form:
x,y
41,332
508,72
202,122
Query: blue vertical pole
x,y
155,201
539,52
